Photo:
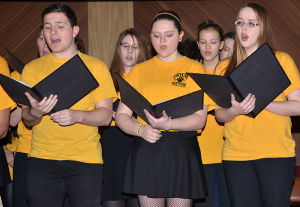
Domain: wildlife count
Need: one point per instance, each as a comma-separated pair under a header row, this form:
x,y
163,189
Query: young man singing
x,y
66,156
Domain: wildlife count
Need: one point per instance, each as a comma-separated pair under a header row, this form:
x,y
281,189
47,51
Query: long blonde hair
x,y
265,35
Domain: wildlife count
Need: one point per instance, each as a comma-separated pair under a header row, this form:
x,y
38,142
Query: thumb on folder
x,y
43,107
245,107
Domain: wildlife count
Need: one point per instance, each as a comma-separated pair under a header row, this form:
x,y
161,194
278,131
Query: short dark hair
x,y
230,35
190,49
59,7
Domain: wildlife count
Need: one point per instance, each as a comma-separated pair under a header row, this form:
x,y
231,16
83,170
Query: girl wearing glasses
x,y
210,41
163,166
131,48
258,154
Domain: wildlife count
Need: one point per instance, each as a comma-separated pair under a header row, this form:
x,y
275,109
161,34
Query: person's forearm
x,y
15,117
30,118
224,115
189,123
3,131
9,156
97,117
285,108
4,122
127,124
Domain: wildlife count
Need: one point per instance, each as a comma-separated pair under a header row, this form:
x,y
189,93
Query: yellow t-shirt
x,y
77,142
24,132
211,139
5,100
268,135
160,81
12,147
113,123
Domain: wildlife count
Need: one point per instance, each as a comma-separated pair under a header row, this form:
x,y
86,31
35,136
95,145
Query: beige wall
x,y
106,21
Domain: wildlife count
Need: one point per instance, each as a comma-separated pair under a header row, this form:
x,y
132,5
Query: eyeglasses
x,y
248,24
126,46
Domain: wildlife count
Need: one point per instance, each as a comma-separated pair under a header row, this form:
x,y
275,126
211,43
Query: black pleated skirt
x,y
170,168
116,146
4,171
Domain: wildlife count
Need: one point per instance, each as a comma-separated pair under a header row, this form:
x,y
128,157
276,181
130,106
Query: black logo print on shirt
x,y
180,80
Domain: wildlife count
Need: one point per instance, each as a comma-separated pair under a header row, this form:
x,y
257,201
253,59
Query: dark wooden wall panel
x,y
19,27
285,16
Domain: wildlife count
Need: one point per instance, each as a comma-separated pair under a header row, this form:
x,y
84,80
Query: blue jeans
x,y
213,171
49,181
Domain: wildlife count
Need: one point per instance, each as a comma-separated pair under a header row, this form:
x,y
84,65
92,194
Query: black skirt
x,y
116,146
170,168
4,171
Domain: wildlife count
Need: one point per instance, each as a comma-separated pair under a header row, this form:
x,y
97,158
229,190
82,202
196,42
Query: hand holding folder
x,y
175,108
70,82
260,74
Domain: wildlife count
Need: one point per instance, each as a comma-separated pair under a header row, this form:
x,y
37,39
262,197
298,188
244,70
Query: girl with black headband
x,y
164,165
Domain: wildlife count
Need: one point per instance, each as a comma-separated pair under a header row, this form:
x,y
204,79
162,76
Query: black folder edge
x,y
228,79
76,56
29,89
140,114
119,78
13,59
212,112
251,114
36,94
266,43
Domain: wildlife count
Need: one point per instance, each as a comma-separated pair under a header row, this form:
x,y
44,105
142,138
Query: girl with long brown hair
x,y
131,48
259,154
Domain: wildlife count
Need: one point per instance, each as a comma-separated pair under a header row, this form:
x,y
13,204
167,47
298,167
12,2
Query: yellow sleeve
x,y
15,75
106,87
5,100
28,76
193,86
290,68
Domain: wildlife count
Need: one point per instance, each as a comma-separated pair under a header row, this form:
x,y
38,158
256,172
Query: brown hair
x,y
209,24
265,35
117,65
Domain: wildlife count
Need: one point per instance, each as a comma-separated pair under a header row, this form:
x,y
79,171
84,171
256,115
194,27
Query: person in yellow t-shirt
x,y
210,42
25,135
131,48
164,166
65,156
259,154
6,103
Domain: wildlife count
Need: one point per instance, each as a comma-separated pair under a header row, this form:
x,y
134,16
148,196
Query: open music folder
x,y
70,82
259,74
175,108
18,64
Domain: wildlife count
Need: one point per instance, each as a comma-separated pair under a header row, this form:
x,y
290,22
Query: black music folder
x,y
18,65
259,74
175,108
115,105
70,82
